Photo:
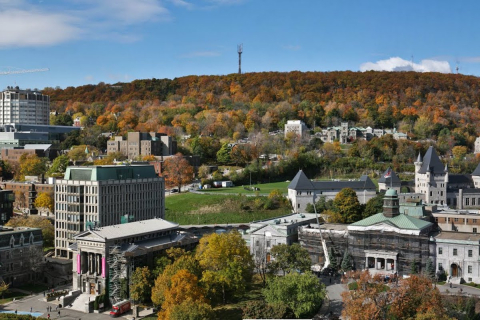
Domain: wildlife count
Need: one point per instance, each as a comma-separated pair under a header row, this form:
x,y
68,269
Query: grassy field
x,y
191,208
9,295
265,189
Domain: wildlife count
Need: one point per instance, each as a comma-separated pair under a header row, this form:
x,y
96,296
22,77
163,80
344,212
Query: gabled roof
x,y
460,178
476,172
432,163
301,182
393,177
364,183
401,221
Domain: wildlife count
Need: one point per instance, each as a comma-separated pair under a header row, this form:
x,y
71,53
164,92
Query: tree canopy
x,y
227,264
289,258
302,293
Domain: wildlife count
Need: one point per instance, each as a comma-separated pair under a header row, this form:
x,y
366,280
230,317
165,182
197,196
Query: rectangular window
x,y
474,230
440,250
440,266
467,201
470,269
268,243
455,219
454,252
470,253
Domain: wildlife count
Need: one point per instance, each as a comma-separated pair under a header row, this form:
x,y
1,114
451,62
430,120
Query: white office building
x,y
99,196
24,106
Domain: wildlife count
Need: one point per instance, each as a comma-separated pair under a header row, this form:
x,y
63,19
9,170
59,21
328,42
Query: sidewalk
x,y
457,289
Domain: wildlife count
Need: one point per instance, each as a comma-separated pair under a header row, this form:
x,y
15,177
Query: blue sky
x,y
89,41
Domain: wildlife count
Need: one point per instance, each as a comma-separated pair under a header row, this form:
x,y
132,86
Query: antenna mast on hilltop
x,y
240,50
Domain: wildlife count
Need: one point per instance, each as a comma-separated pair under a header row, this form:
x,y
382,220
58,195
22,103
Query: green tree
x,y
347,263
259,309
429,269
302,293
63,119
374,206
141,284
59,166
191,310
291,258
223,155
346,204
333,259
413,267
227,264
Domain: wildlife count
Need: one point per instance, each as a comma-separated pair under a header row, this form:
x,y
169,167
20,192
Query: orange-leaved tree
x,y
184,290
177,171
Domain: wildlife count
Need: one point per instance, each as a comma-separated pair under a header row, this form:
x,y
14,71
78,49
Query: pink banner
x,y
103,267
79,266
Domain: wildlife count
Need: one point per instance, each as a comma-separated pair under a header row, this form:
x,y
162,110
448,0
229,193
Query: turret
x,y
391,206
418,163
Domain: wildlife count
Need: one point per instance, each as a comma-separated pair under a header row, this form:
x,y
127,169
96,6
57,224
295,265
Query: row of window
x,y
455,252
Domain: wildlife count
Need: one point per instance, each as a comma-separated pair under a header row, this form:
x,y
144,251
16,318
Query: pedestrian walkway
x,y
459,289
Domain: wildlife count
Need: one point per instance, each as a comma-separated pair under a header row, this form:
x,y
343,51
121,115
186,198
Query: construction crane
x,y
3,73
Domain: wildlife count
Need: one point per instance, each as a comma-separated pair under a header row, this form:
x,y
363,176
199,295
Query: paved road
x,y
459,289
39,308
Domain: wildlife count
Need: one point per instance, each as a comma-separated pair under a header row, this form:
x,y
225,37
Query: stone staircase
x,y
79,303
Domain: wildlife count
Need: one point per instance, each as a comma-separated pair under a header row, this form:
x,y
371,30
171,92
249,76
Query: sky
x,y
91,41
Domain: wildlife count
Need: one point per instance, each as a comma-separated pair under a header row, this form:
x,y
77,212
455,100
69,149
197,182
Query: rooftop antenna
x,y
240,50
457,68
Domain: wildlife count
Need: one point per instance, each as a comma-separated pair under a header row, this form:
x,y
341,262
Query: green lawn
x,y
191,208
9,295
265,189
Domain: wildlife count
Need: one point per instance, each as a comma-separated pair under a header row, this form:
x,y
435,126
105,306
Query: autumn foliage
x,y
371,298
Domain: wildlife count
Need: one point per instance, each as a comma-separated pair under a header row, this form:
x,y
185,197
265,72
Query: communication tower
x,y
240,50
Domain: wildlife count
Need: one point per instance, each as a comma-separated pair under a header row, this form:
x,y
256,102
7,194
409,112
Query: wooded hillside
x,y
231,106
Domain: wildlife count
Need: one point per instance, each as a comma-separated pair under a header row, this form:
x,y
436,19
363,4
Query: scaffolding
x,y
117,265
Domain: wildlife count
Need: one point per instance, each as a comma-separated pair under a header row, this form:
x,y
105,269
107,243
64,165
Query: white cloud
x,y
20,28
129,12
28,24
399,64
200,54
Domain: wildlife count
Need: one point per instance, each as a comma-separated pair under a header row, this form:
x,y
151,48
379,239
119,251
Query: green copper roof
x,y
401,221
391,192
101,173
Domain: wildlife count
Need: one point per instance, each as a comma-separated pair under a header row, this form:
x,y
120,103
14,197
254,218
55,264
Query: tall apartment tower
x,y
431,177
98,196
24,106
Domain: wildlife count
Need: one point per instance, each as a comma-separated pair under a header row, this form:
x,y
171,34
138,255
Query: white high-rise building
x,y
99,196
24,106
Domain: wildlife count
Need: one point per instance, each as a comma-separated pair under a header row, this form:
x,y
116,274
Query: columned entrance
x,y
381,261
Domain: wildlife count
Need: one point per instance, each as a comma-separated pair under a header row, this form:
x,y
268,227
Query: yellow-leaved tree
x,y
227,263
44,201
